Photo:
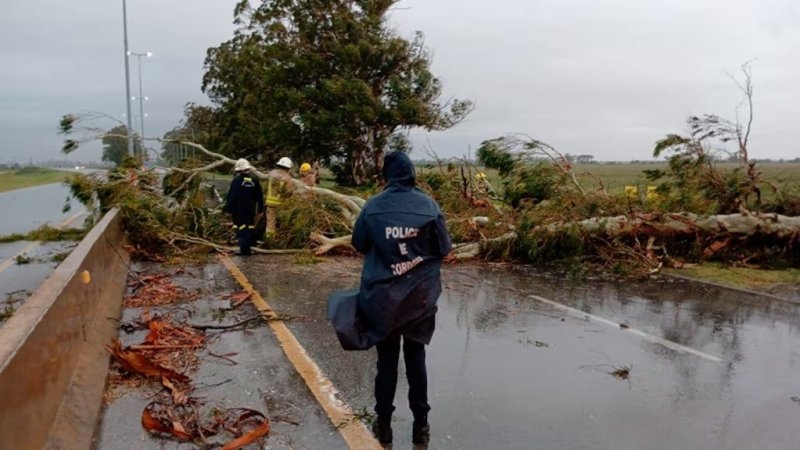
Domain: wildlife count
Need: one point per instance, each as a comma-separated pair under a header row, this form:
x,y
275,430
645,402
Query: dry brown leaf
x,y
178,397
150,423
136,362
167,426
260,431
237,298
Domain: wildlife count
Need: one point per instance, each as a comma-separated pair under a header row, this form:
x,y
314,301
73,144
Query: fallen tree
x,y
546,212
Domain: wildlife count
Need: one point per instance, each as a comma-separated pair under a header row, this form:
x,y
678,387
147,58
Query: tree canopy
x,y
115,145
325,80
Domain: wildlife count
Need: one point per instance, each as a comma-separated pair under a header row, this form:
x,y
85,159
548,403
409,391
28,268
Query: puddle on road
x,y
506,370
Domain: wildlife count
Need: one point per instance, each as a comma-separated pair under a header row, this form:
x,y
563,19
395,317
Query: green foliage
x,y
22,259
322,80
304,214
182,185
115,145
46,233
494,155
147,219
693,181
537,245
199,126
532,183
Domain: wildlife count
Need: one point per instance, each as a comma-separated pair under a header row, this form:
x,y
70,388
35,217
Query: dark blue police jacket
x,y
403,236
245,199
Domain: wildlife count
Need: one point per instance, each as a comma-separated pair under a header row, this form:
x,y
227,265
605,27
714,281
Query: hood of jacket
x,y
398,169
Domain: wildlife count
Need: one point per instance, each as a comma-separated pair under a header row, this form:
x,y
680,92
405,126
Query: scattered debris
x,y
135,361
9,305
23,258
228,327
155,290
624,326
167,354
61,256
528,341
7,312
622,372
360,415
237,298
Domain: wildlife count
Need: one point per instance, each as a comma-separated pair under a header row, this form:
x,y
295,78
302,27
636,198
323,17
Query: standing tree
x,y
323,80
199,125
115,145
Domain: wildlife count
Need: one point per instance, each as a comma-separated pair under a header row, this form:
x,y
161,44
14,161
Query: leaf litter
x,y
168,353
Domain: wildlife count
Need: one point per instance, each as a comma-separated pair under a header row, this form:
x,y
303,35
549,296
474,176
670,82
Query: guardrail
x,y
52,361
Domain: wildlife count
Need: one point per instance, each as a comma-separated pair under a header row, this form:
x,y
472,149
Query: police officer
x,y
404,238
245,201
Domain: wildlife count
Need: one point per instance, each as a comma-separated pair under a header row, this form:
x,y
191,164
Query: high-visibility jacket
x,y
276,185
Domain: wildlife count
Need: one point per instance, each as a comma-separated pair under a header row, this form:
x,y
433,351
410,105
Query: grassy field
x,y
617,176
28,177
770,281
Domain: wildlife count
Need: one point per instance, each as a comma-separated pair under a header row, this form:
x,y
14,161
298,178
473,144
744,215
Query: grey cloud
x,y
604,77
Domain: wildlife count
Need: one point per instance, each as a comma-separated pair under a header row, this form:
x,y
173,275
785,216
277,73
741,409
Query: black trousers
x,y
386,379
247,238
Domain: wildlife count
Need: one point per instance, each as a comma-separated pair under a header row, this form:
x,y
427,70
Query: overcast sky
x,y
600,77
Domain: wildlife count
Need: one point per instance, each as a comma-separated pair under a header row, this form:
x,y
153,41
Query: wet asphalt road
x,y
511,369
256,374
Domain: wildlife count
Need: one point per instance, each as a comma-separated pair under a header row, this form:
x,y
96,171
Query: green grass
x,y
29,177
740,277
46,233
617,176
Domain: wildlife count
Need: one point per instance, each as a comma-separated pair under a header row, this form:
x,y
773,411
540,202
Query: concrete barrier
x,y
52,361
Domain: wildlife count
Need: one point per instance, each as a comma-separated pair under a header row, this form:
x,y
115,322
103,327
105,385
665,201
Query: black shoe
x,y
421,433
382,428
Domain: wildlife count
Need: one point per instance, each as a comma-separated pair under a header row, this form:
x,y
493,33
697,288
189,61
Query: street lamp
x,y
142,98
127,76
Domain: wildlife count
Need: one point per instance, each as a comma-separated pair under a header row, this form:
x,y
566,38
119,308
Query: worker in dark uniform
x,y
404,238
245,201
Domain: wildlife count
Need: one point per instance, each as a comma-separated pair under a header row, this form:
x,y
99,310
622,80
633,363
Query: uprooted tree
x,y
326,81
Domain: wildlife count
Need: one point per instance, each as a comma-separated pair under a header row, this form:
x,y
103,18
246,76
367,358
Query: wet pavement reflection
x,y
27,209
510,371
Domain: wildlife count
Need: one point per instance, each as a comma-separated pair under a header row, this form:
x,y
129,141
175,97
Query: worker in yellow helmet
x,y
307,176
280,181
482,186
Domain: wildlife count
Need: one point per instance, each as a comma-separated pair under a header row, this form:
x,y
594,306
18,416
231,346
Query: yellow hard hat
x,y
305,167
480,175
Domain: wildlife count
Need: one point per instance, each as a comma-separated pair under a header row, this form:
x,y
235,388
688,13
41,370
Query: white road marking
x,y
646,336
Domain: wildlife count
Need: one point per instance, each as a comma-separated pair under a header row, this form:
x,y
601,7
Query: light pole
x,y
127,77
141,97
